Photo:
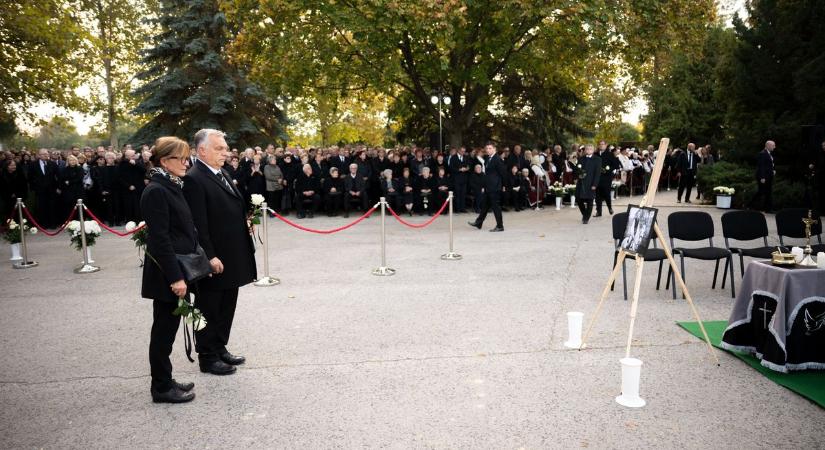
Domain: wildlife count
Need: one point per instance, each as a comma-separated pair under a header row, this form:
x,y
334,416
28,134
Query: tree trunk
x,y
112,118
454,137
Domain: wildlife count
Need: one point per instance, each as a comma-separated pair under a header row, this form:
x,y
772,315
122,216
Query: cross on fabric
x,y
765,312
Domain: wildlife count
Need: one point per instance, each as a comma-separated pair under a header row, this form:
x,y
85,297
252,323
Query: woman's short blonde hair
x,y
169,146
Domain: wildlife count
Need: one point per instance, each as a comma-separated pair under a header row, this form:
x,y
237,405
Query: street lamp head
x,y
434,99
447,100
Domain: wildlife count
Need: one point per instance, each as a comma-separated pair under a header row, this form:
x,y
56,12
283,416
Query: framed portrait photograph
x,y
639,229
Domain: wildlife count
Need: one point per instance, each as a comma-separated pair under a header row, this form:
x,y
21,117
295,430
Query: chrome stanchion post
x,y
25,263
266,280
87,267
383,271
451,255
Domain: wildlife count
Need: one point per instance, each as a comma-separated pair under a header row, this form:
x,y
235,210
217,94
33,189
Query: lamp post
x,y
439,100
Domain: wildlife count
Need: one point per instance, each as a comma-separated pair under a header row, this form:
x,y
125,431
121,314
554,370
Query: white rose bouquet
x,y
14,231
724,190
257,201
557,189
92,232
191,315
570,189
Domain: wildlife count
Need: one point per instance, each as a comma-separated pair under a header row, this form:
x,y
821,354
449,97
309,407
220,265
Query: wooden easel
x,y
648,201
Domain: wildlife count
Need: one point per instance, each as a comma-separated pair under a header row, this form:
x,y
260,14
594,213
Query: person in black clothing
x,y
476,185
589,173
494,173
425,191
255,180
459,170
355,189
130,175
522,200
390,190
406,187
70,186
609,164
442,188
558,158
170,231
220,217
511,188
13,185
765,172
333,193
686,166
110,190
290,168
43,182
307,190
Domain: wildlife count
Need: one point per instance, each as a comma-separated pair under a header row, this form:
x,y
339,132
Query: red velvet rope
x,y
110,230
412,225
43,230
334,230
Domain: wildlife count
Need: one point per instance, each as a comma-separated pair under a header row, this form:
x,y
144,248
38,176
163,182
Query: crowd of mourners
x,y
333,180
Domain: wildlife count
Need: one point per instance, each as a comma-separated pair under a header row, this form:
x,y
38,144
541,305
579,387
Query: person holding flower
x,y
171,231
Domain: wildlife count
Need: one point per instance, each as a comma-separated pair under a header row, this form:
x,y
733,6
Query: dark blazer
x,y
494,174
43,183
220,218
685,166
356,184
170,230
764,166
589,176
607,159
308,183
13,186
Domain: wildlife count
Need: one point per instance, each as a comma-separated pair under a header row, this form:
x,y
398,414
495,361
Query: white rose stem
x,y
266,280
86,267
25,263
451,255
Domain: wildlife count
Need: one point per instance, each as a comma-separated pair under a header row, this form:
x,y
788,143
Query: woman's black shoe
x,y
185,387
173,395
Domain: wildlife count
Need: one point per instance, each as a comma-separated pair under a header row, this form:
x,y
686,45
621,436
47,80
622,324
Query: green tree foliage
x,y
59,133
191,84
38,41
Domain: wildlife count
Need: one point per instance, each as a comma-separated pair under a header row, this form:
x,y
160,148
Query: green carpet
x,y
809,383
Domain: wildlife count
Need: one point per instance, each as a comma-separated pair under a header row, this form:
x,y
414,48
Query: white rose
x,y
13,225
33,231
142,223
74,225
130,226
257,199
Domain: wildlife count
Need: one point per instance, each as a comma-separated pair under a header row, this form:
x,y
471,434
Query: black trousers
x,y
460,194
45,209
686,182
164,328
131,205
273,199
490,200
764,191
314,201
362,201
602,195
586,207
218,308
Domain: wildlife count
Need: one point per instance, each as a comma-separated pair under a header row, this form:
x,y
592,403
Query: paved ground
x,y
446,354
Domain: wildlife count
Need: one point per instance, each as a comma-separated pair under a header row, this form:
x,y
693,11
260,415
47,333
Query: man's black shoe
x,y
610,210
687,201
217,368
597,215
173,395
231,359
185,387
496,229
585,221
473,224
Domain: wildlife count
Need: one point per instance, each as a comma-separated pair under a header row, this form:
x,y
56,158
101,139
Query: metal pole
x,y
25,263
440,130
266,280
87,267
383,271
451,255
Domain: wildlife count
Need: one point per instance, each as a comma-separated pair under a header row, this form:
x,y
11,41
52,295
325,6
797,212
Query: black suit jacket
x,y
764,166
494,174
356,184
43,183
684,166
170,230
219,213
589,176
609,163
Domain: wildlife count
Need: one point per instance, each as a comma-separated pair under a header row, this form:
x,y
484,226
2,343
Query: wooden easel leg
x,y
616,268
635,303
678,275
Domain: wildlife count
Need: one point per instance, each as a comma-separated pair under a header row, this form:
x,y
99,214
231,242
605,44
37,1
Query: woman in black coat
x,y
13,185
70,183
170,231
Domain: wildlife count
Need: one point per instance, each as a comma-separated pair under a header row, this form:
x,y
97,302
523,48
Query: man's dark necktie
x,y
225,182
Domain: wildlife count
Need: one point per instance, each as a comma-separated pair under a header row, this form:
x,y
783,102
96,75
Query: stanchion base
x,y
575,345
451,256
25,265
87,268
637,402
383,272
267,281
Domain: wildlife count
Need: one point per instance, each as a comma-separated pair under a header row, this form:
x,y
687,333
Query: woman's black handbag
x,y
194,266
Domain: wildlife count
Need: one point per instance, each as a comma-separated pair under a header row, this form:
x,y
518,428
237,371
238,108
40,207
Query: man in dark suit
x,y
218,210
307,190
339,161
43,182
355,190
765,171
686,166
590,168
494,174
459,168
609,165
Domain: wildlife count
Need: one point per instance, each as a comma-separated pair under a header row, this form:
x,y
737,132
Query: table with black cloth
x,y
779,316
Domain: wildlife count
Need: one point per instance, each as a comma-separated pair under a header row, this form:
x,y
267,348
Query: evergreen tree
x,y
190,84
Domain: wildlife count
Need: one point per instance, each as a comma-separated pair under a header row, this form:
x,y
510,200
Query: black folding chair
x,y
698,226
746,226
652,254
789,224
